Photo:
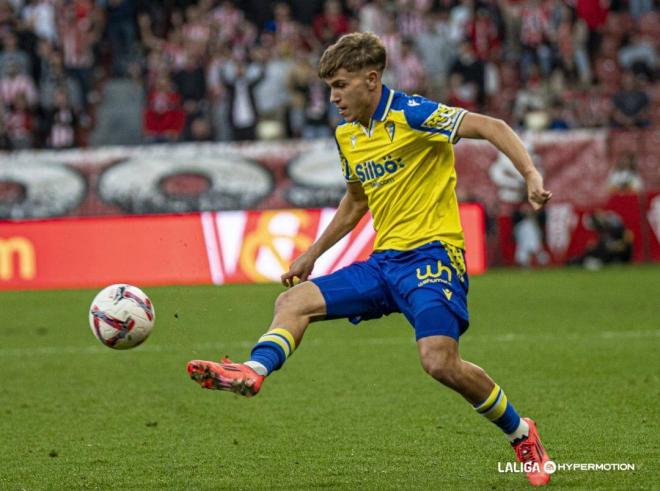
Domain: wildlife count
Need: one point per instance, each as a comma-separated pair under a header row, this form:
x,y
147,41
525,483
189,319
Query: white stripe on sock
x,y
257,367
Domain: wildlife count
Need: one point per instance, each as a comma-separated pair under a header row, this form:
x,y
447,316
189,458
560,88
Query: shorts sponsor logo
x,y
435,273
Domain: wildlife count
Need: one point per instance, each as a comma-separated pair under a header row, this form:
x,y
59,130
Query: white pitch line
x,y
224,347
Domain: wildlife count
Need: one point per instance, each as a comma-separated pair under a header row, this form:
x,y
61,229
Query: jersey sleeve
x,y
349,175
437,121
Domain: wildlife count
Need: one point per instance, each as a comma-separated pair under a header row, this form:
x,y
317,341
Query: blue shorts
x,y
429,285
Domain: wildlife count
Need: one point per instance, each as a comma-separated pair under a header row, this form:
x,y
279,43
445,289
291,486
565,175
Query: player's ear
x,y
372,77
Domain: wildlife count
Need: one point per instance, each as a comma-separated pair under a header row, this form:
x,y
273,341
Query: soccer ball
x,y
121,316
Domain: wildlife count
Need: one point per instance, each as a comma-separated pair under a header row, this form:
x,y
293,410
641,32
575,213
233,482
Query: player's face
x,y
353,93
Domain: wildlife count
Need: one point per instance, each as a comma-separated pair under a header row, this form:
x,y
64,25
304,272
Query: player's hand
x,y
537,195
300,269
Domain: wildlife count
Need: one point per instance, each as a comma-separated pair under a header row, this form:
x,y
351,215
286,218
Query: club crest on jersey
x,y
390,128
353,140
370,170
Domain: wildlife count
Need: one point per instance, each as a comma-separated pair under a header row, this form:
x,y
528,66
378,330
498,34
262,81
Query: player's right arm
x,y
508,142
352,208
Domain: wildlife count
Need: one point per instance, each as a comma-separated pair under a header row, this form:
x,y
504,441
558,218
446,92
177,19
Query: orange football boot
x,y
226,375
530,451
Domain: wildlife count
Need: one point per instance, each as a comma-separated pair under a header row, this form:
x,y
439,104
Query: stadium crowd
x,y
81,72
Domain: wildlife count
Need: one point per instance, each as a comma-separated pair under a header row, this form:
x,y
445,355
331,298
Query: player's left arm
x,y
508,142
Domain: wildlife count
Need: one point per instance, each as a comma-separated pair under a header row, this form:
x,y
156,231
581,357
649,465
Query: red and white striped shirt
x,y
20,84
410,74
77,43
62,132
534,24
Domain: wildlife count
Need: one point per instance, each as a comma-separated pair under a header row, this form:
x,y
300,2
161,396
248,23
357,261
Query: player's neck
x,y
370,110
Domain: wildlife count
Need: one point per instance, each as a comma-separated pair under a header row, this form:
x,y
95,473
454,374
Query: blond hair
x,y
353,52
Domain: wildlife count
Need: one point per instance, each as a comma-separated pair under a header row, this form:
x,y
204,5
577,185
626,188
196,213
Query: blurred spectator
x,y
625,177
300,74
5,141
572,36
330,24
460,18
484,34
11,54
436,51
228,19
613,243
40,17
373,16
304,11
535,34
14,84
631,104
471,69
121,30
558,120
118,117
164,116
461,93
640,7
218,106
591,107
190,82
528,235
282,25
271,93
317,111
20,122
411,15
536,63
62,123
594,13
240,81
530,106
80,30
53,77
392,39
409,71
639,56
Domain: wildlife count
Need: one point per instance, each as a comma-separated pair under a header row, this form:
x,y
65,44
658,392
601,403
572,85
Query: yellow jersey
x,y
405,163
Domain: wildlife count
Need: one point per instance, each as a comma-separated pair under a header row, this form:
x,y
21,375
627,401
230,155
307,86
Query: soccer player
x,y
397,157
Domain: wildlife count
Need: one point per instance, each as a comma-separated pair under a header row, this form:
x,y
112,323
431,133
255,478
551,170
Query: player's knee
x,y
442,366
293,302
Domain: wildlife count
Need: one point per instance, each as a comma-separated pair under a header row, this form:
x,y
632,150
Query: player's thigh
x,y
357,292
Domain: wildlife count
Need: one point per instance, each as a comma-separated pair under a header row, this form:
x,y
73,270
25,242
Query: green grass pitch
x,y
578,351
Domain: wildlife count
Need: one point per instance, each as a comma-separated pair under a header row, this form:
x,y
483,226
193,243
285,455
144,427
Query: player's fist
x,y
537,195
299,270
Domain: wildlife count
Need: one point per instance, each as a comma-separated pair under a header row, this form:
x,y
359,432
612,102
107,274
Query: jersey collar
x,y
381,111
384,104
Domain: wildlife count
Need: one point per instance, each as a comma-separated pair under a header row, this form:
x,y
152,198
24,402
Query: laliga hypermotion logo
x,y
549,467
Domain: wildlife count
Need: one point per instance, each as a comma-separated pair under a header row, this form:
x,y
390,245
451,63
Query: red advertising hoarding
x,y
218,248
